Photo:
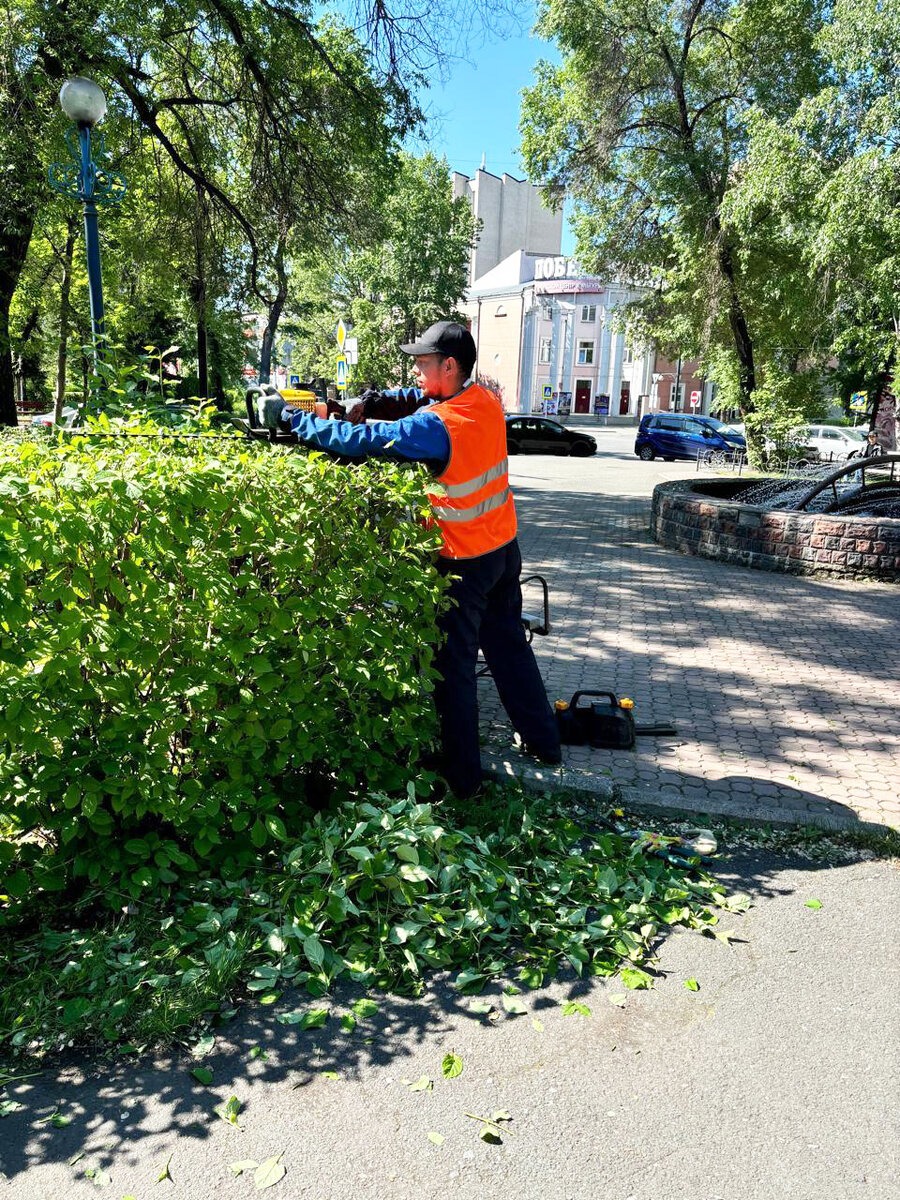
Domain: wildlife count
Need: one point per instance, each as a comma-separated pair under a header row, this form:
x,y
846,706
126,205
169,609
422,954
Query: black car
x,y
540,435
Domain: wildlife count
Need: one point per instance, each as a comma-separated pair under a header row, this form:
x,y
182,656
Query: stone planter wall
x,y
700,517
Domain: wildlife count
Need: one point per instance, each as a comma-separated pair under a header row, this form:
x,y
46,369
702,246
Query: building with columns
x,y
546,333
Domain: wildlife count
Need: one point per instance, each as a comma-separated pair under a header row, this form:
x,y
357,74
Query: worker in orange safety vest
x,y
461,435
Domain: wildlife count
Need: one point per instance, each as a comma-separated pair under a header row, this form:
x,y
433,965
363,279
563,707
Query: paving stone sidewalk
x,y
785,691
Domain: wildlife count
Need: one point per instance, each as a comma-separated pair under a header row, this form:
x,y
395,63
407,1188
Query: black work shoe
x,y
552,756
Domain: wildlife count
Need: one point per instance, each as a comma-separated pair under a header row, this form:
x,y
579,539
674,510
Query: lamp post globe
x,y
82,179
82,101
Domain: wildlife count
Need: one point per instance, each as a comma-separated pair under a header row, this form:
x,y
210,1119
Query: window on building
x,y
628,356
585,353
500,311
589,312
544,350
546,312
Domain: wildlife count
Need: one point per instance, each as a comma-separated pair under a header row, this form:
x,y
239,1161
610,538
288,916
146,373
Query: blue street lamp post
x,y
81,179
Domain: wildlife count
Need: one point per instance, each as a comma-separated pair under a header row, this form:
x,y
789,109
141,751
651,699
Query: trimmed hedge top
x,y
189,630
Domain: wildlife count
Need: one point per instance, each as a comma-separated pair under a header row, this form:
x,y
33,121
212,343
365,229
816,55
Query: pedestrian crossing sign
x,y
548,391
859,401
341,373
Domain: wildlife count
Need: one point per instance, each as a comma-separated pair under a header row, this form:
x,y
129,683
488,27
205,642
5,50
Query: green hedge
x,y
190,632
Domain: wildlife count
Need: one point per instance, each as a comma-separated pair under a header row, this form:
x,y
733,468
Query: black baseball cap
x,y
445,337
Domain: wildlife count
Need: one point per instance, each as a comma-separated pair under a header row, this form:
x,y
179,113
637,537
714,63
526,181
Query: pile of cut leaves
x,y
380,892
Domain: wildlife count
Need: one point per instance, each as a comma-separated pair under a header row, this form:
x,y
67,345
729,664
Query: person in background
x,y
458,429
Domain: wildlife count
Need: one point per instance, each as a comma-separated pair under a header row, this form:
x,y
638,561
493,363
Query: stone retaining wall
x,y
700,517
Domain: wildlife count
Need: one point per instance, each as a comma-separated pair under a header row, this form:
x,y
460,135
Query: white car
x,y
45,419
836,442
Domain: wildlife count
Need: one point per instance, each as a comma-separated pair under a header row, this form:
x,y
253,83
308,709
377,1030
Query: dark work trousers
x,y
487,612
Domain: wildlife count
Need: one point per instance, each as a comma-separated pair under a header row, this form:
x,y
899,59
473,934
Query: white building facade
x,y
546,333
512,214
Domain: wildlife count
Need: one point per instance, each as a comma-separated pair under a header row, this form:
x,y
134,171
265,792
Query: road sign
x,y
341,373
548,391
859,401
351,350
340,335
695,399
295,381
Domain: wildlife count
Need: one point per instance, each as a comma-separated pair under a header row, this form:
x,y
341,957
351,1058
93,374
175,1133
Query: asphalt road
x,y
779,1078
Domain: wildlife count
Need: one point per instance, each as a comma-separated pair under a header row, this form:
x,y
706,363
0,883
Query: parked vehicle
x,y
677,435
68,416
837,442
540,435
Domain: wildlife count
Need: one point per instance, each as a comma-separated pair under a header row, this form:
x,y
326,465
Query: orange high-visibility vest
x,y
476,511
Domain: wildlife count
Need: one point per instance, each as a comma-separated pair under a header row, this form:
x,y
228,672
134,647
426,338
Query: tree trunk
x,y
59,397
273,313
215,373
13,251
202,355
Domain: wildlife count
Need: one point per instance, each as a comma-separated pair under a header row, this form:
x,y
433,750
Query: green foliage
x,y
193,632
387,891
411,271
646,124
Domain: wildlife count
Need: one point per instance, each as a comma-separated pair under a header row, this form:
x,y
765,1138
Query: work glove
x,y
270,412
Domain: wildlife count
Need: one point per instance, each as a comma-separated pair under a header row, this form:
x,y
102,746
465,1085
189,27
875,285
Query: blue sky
x,y
476,111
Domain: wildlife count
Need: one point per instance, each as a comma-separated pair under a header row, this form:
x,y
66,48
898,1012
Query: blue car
x,y
677,435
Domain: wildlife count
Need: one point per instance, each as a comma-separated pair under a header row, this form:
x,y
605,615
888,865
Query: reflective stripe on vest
x,y
473,505
476,510
456,491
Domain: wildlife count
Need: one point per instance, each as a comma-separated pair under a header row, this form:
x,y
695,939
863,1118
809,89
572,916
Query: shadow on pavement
x,y
126,1109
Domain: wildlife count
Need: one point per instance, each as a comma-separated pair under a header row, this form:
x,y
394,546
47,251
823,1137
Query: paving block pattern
x,y
785,690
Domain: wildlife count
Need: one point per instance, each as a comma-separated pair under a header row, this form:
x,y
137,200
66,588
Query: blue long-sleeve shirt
x,y
421,437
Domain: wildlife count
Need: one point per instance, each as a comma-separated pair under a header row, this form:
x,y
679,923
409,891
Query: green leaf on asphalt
x,y
164,1174
329,1074
574,1008
480,1006
422,1084
692,985
348,1022
469,979
229,1110
97,1176
513,1005
489,1134
268,1173
435,1137
203,1075
312,1018
617,998
8,1107
270,997
532,977
203,1046
635,979
242,1165
365,1007
452,1066
258,1052
814,904
501,1115
536,1024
